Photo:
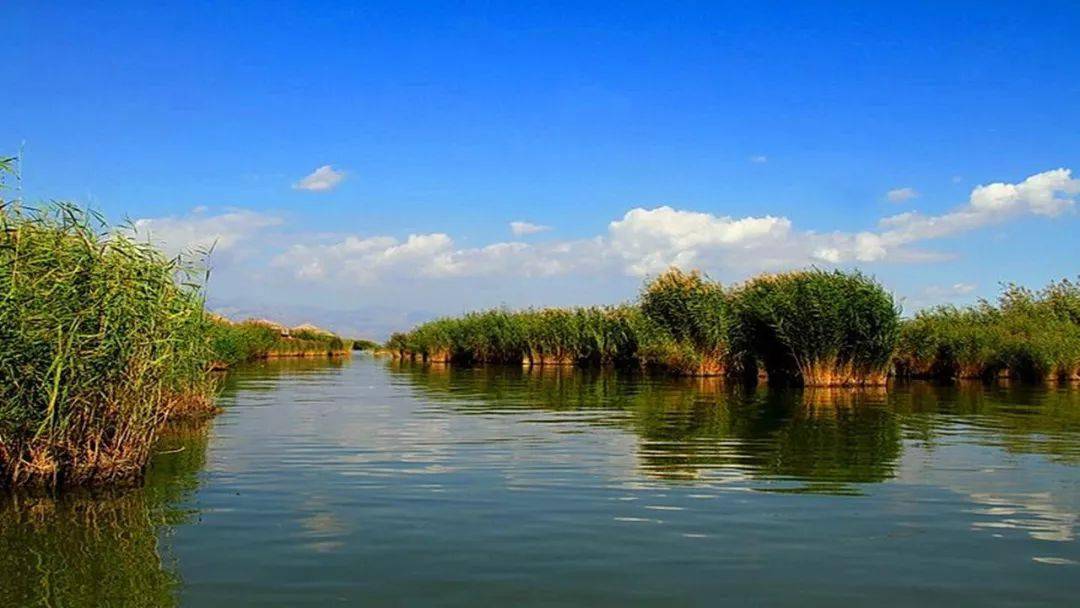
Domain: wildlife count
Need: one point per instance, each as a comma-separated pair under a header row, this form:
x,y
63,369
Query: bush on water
x,y
361,344
102,338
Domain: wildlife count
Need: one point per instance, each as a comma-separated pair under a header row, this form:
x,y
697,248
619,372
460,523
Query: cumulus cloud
x,y
899,195
1047,194
643,241
651,240
323,179
198,232
647,241
524,228
759,159
433,255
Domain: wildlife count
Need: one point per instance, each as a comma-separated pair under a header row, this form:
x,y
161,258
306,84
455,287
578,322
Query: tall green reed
x,y
102,338
818,328
1028,335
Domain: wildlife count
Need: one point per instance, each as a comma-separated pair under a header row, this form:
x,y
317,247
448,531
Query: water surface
x,y
370,483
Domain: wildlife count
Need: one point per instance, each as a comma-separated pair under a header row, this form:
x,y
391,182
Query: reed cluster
x,y
102,338
233,343
588,335
817,328
686,325
811,327
1028,335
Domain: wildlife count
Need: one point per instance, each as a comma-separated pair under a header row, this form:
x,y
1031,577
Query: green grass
x,y
102,338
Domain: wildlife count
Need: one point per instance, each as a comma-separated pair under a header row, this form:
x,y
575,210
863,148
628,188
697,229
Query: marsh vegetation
x,y
805,328
1027,335
103,339
246,341
812,327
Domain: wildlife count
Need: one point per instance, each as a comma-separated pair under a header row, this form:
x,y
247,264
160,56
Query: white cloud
x,y
899,195
523,228
1047,194
759,158
321,180
647,241
433,256
197,232
641,242
1037,194
651,240
956,289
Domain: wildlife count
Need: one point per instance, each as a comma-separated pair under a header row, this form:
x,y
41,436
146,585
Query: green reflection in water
x,y
101,548
1020,418
789,440
824,439
269,372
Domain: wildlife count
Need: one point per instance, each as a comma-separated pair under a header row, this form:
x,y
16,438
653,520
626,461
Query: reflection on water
x,y
378,483
827,438
972,439
101,548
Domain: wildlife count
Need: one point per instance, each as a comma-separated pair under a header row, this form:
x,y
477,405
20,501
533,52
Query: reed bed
x,y
547,337
812,327
817,328
687,327
234,343
1027,335
808,328
543,337
102,339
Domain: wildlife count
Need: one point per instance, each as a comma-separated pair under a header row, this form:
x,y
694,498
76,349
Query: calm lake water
x,y
371,483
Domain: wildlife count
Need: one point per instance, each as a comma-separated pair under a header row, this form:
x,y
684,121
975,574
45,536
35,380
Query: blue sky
x,y
764,129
